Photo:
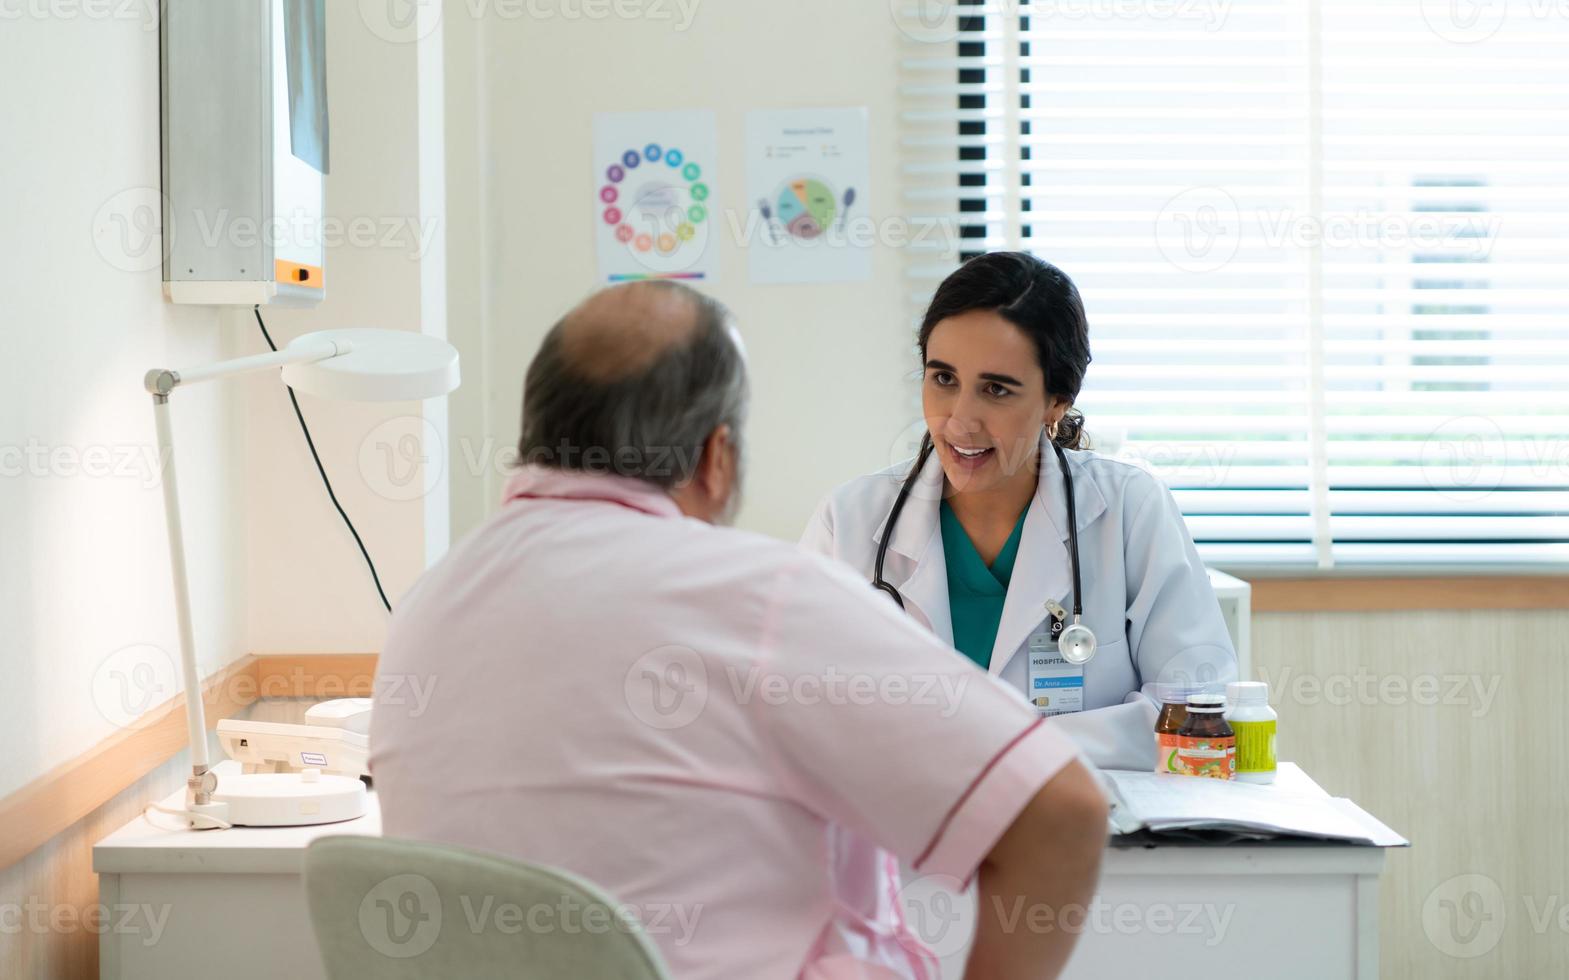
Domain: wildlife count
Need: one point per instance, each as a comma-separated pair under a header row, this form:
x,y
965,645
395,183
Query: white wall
x,y
83,558
84,568
386,230
830,363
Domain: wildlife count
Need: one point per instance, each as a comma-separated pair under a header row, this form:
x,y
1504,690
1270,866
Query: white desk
x,y
236,906
1284,910
235,899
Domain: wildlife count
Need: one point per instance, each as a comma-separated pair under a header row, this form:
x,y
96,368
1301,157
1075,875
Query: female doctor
x,y
978,537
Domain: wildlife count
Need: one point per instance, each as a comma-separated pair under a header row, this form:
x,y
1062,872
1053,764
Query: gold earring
x,y
1051,432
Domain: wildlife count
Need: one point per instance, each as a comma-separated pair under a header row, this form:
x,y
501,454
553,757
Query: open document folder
x,y
1194,808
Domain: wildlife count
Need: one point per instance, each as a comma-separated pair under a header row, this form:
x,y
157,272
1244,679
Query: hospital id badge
x,y
1056,686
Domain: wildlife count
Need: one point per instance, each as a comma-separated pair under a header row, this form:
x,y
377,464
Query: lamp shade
x,y
381,366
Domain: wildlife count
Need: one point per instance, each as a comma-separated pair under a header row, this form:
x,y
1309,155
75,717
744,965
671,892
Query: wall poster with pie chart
x,y
654,194
806,177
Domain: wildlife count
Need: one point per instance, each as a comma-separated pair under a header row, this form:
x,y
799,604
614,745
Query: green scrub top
x,y
975,592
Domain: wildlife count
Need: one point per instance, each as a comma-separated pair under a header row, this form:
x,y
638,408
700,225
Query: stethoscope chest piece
x,y
1076,644
1075,641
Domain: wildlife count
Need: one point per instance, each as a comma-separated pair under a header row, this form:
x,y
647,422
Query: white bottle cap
x,y
1239,693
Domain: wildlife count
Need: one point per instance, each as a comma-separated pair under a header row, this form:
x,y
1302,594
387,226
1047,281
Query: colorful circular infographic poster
x,y
652,197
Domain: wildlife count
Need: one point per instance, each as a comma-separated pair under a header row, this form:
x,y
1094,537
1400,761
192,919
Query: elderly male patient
x,y
698,718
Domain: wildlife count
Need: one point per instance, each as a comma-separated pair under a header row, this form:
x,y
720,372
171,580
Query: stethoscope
x,y
1076,643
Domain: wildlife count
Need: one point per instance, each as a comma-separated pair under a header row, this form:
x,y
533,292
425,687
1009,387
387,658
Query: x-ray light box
x,y
245,151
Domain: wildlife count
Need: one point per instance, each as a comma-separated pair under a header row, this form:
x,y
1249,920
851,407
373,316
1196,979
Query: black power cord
x,y
322,470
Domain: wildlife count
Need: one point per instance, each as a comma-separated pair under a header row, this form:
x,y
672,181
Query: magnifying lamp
x,y
353,365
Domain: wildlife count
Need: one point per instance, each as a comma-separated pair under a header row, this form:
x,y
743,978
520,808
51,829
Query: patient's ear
x,y
719,464
707,493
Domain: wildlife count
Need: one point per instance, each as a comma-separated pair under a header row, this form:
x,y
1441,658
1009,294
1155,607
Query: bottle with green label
x,y
1253,721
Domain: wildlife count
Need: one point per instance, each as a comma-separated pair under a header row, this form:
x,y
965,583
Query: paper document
x,y
1163,803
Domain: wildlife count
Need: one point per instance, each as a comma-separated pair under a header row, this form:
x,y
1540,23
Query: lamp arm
x,y
161,381
199,786
201,783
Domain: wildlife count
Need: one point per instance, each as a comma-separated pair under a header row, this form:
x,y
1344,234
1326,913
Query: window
x,y
1324,248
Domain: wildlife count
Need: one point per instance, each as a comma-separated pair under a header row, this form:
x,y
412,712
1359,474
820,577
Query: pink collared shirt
x,y
686,715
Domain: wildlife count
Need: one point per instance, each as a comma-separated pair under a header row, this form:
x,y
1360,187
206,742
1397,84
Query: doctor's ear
x,y
1056,407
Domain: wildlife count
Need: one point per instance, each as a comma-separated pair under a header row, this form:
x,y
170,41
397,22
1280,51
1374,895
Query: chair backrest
x,y
409,910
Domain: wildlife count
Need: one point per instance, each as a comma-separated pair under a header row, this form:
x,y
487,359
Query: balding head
x,y
634,381
620,331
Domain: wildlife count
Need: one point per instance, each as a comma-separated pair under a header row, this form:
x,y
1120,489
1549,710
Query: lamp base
x,y
215,812
288,799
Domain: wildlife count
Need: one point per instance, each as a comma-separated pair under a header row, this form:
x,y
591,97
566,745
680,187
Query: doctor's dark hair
x,y
649,424
1039,299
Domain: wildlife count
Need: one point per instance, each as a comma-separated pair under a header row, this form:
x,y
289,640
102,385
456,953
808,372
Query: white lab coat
x,y
1146,593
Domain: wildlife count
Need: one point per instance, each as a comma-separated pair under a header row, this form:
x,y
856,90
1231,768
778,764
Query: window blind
x,y
1324,249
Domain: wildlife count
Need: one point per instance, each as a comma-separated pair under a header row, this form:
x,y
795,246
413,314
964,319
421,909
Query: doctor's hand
x,y
1048,860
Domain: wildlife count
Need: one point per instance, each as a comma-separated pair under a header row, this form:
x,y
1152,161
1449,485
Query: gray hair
x,y
650,424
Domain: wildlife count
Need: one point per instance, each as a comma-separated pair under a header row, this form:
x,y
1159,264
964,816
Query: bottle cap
x,y
1206,702
1247,692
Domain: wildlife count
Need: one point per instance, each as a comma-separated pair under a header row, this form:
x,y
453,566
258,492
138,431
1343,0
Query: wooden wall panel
x,y
1450,726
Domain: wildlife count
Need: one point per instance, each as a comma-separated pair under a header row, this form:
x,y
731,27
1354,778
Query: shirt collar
x,y
918,524
551,483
